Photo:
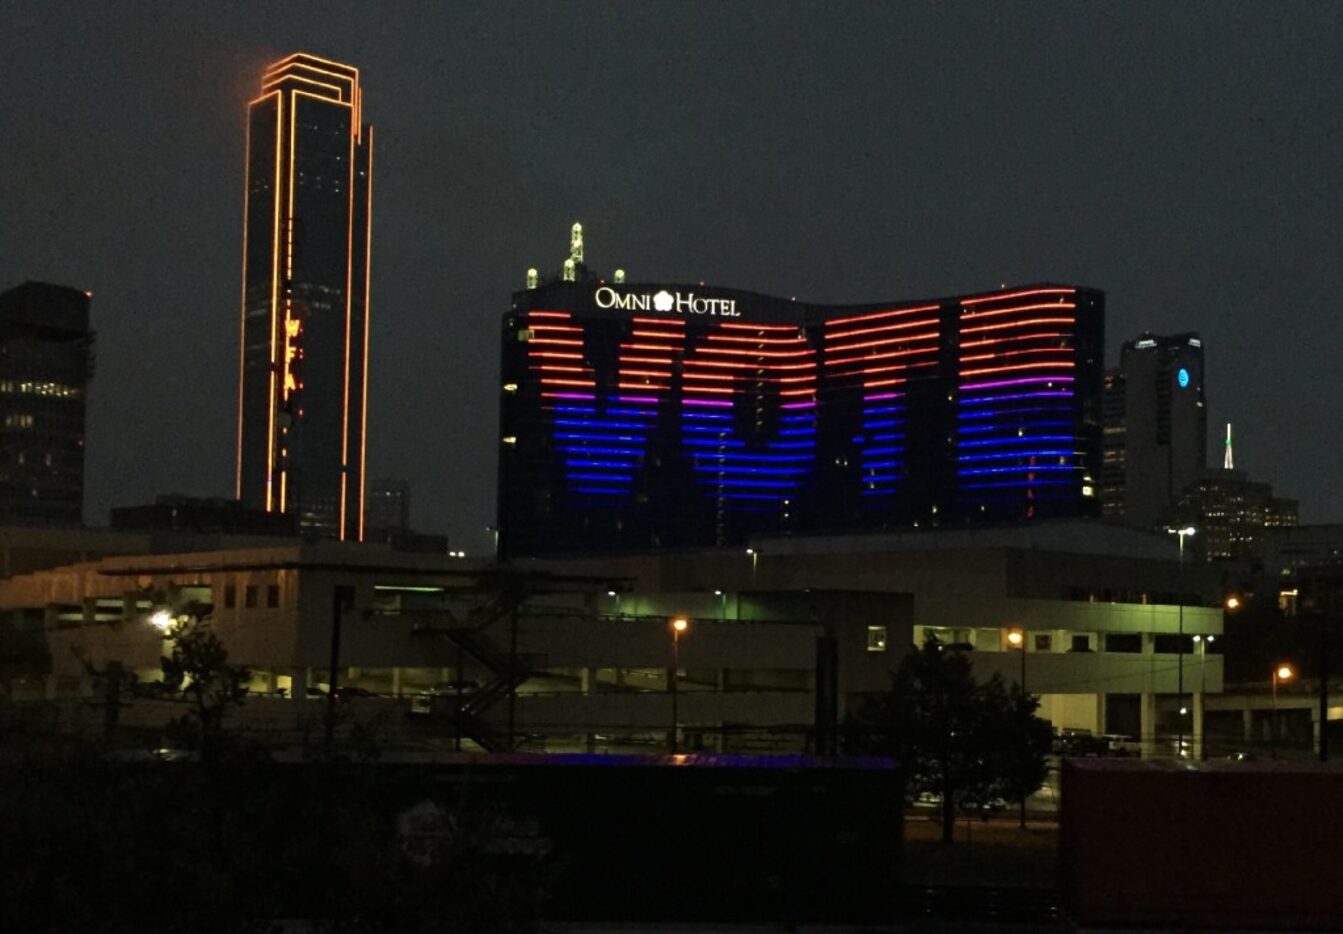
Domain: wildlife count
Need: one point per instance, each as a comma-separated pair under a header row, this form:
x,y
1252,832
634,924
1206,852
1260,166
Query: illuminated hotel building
x,y
302,396
643,416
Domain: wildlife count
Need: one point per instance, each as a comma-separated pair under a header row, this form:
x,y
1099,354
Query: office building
x,y
1230,514
640,416
576,654
46,360
303,359
387,508
171,512
1156,427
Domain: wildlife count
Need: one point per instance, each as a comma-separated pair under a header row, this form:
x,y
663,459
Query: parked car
x,y
444,691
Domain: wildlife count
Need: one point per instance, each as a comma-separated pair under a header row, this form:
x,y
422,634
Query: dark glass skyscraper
x,y
302,397
646,416
46,359
1156,427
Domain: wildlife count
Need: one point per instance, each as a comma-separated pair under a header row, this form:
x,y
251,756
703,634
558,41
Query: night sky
x,y
1183,158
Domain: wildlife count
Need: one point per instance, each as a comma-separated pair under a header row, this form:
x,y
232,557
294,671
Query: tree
x,y
199,673
976,746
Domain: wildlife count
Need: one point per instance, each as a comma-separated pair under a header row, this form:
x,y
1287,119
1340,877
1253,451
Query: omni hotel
x,y
644,416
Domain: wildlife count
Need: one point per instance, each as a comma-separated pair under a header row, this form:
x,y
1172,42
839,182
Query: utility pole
x,y
341,597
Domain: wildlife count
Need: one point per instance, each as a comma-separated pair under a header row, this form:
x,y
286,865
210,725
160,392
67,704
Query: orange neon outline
x,y
555,341
348,75
758,341
978,329
881,329
548,314
885,342
553,381
1061,290
316,58
242,324
753,354
368,270
968,315
274,305
556,355
1041,365
345,73
272,84
836,322
345,390
1018,338
288,270
737,365
862,358
669,322
562,328
970,358
742,326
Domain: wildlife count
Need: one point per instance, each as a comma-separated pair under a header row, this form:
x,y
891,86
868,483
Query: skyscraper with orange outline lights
x,y
303,359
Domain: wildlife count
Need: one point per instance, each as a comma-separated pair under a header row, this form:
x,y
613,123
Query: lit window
x,y
876,638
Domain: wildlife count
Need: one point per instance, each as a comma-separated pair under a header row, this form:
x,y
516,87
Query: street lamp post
x,y
679,625
1017,639
1281,673
1183,533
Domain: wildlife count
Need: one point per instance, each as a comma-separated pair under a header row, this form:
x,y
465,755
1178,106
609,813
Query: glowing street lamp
x,y
162,620
1185,532
1282,673
679,625
1233,603
1017,639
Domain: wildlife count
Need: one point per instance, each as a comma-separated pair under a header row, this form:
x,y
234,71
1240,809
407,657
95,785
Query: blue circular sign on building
x,y
1182,377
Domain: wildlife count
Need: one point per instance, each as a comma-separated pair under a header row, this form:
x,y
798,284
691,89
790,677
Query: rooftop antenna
x,y
533,278
1228,461
576,243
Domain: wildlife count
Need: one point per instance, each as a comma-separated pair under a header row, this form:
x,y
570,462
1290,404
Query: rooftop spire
x,y
1228,462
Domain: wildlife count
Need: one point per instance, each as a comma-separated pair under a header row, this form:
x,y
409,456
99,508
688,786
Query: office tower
x,y
1156,427
388,506
302,396
641,416
46,359
1112,445
1231,512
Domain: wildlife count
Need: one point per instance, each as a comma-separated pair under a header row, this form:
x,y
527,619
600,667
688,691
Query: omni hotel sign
x,y
681,303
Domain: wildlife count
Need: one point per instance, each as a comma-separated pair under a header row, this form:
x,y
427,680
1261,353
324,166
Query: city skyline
x,y
1161,184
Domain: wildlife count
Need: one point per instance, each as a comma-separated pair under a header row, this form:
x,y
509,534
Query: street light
x,y
1282,673
678,626
1186,532
1233,603
162,620
1017,639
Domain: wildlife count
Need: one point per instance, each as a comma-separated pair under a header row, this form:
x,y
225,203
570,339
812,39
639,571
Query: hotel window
x,y
273,595
876,638
230,596
1044,642
249,596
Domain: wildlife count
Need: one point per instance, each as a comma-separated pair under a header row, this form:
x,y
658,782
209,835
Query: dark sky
x,y
1185,158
